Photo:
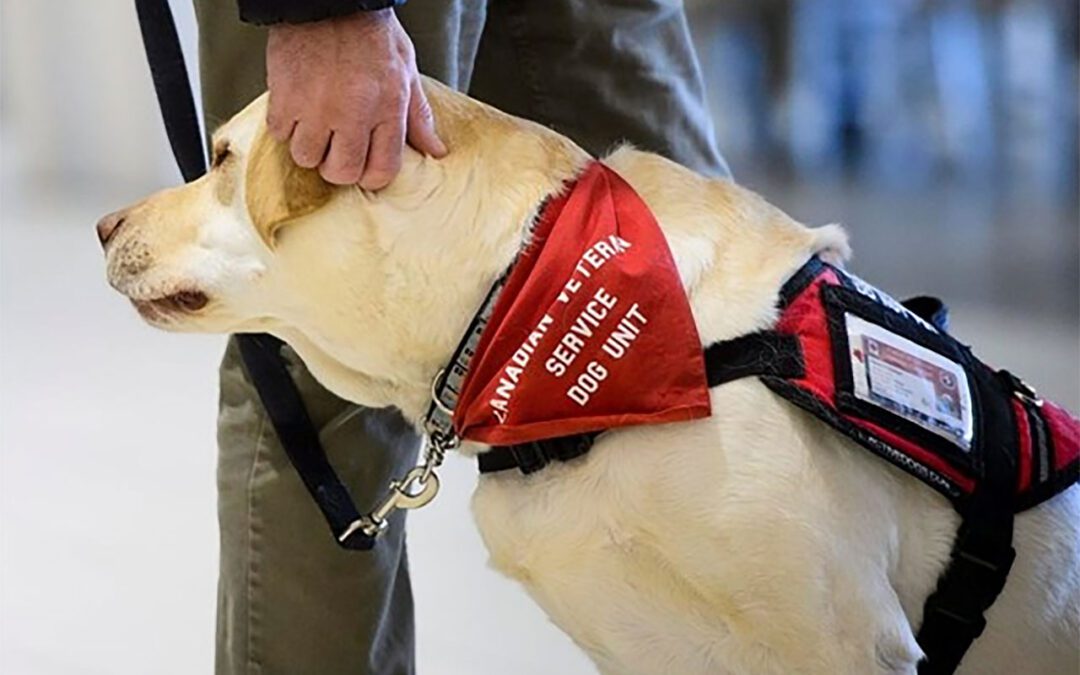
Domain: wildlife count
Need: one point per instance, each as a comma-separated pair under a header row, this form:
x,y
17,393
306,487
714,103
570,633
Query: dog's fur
x,y
755,541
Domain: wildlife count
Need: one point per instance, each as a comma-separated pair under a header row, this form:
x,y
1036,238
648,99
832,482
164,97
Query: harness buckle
x,y
1020,389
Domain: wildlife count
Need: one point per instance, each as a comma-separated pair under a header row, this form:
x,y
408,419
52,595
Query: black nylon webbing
x,y
281,399
171,84
261,353
765,353
982,555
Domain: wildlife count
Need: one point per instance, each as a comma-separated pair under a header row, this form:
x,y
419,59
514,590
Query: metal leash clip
x,y
418,487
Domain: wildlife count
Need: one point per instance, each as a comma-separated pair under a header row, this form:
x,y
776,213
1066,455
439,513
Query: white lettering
x,y
587,383
555,367
582,329
499,408
512,373
625,332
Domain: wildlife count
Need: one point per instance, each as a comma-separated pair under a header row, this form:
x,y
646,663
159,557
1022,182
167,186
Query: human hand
x,y
346,95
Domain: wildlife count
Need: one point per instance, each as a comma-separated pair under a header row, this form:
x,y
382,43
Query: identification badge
x,y
911,381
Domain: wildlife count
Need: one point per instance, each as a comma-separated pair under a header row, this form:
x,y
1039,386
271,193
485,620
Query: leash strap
x,y
171,84
281,399
261,353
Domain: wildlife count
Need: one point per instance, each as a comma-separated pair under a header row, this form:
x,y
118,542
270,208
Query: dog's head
x,y
346,276
198,257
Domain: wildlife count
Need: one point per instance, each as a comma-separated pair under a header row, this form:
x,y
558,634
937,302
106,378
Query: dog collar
x,y
589,329
421,484
446,389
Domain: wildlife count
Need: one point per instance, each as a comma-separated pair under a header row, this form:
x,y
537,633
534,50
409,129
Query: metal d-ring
x,y
436,383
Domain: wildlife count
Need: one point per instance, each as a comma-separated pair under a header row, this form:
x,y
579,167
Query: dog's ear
x,y
277,190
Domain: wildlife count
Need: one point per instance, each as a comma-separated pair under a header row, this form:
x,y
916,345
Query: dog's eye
x,y
220,155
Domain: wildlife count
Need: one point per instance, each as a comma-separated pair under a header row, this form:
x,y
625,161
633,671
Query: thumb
x,y
420,123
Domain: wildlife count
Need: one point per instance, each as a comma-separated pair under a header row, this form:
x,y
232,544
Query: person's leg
x,y
289,600
601,72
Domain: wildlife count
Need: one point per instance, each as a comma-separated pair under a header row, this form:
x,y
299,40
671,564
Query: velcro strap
x,y
531,457
756,354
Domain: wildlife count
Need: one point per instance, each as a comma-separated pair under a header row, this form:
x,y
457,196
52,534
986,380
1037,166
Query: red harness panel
x,y
929,385
592,330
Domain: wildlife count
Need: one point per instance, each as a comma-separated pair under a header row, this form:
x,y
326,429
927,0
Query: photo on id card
x,y
908,380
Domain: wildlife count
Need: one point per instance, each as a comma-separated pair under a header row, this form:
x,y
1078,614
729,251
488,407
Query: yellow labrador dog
x,y
755,541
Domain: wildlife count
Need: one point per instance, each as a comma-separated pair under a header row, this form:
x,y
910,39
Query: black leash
x,y
172,86
261,353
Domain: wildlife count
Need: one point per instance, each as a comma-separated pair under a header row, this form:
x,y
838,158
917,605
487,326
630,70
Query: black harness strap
x,y
982,555
763,353
261,353
531,457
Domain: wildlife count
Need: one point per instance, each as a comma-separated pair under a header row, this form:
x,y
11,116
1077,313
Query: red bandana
x,y
592,330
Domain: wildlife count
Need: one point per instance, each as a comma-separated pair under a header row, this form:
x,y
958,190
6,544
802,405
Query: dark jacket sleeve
x,y
302,11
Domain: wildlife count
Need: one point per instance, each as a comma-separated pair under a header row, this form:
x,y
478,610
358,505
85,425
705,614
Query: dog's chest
x,y
653,551
597,557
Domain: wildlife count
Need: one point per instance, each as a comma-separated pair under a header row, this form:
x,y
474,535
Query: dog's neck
x,y
439,237
398,275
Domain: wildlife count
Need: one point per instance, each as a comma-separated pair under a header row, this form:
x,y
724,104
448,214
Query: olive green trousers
x,y
600,71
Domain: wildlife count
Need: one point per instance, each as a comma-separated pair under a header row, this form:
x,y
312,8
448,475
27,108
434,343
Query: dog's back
x,y
759,540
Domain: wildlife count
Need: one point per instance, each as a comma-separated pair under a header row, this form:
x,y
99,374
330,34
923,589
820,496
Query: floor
x,y
108,533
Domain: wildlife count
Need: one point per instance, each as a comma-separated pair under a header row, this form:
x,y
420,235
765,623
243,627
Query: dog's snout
x,y
108,226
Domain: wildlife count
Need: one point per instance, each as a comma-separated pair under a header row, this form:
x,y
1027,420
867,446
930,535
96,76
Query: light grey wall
x,y
76,99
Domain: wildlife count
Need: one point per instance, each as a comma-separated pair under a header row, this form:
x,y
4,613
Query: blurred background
x,y
942,134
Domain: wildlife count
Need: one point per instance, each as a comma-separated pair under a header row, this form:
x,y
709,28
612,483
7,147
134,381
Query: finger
x,y
420,122
344,163
308,146
280,127
279,120
384,156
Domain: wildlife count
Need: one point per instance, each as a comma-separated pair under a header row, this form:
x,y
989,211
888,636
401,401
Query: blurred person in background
x,y
345,95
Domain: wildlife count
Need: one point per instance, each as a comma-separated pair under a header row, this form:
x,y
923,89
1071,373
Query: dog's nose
x,y
108,226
